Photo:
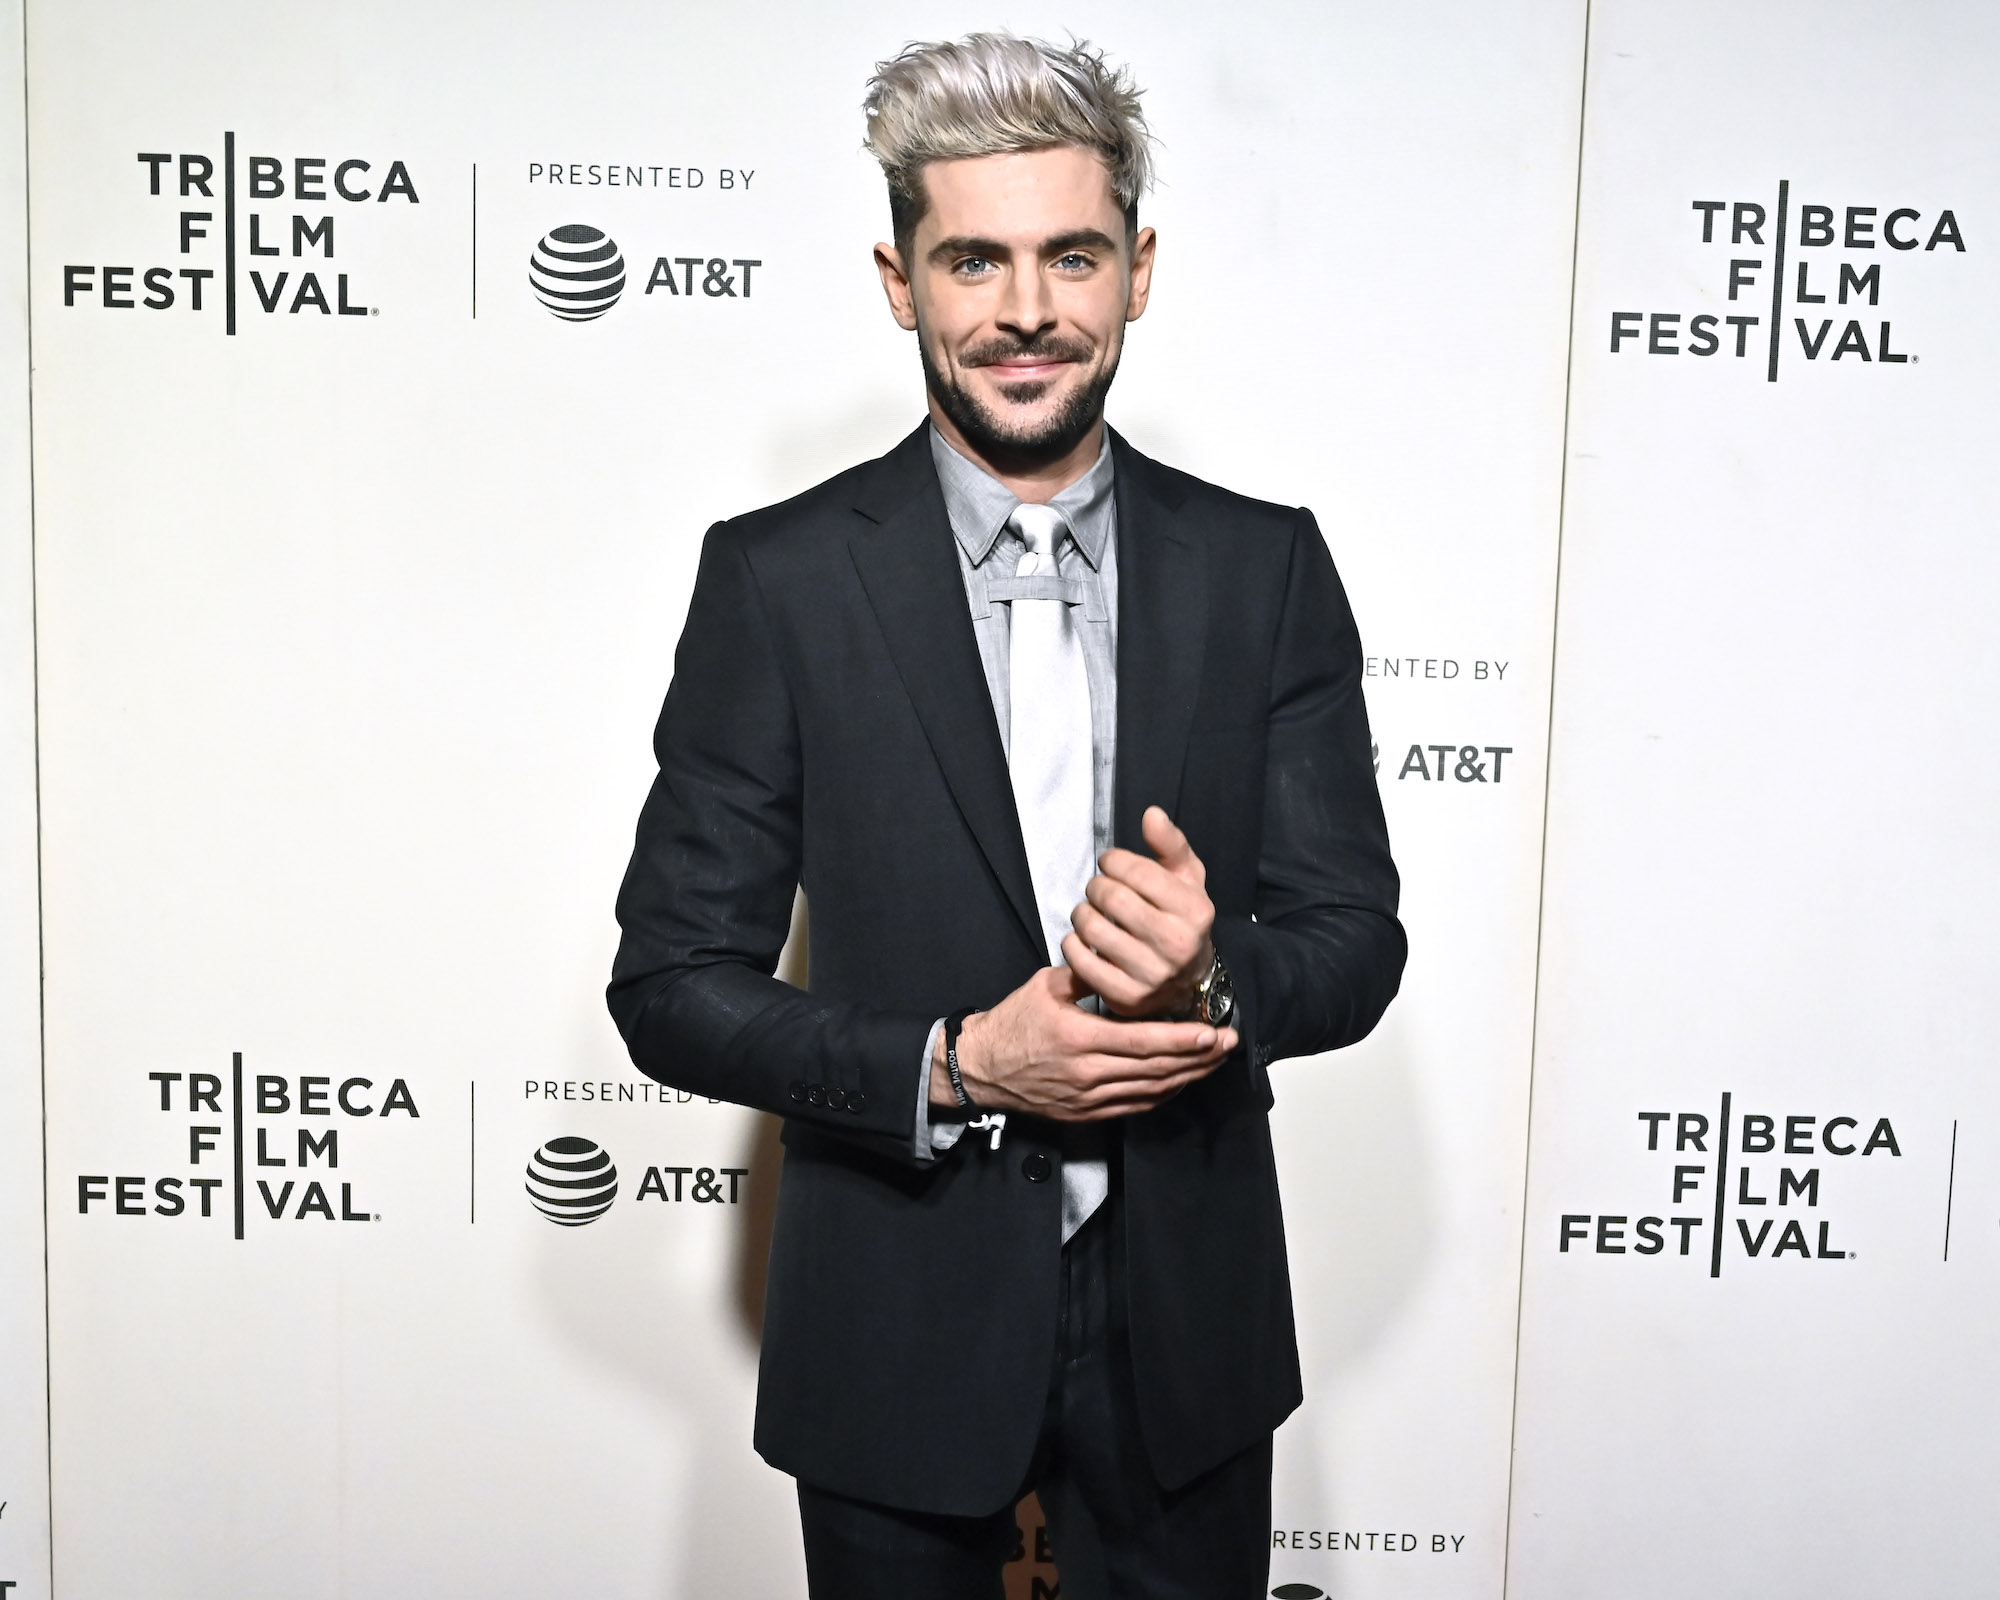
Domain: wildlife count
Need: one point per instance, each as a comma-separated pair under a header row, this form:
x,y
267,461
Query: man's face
x,y
1018,285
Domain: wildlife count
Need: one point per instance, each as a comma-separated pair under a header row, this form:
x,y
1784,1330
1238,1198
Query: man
x,y
1068,752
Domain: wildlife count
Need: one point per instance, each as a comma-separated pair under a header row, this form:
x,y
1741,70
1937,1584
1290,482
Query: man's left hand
x,y
1141,936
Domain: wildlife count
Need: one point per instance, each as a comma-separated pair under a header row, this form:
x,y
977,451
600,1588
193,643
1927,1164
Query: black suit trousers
x,y
1117,1534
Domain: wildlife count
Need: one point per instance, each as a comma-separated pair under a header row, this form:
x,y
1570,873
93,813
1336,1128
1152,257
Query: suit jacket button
x,y
856,1100
1035,1168
797,1091
836,1099
815,1096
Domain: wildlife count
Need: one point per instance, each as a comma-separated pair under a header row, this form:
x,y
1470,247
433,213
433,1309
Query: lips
x,y
1027,371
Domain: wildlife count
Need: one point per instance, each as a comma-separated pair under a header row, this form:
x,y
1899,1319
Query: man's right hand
x,y
1040,1053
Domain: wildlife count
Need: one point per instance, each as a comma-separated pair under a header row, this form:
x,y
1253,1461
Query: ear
x,y
1142,274
896,285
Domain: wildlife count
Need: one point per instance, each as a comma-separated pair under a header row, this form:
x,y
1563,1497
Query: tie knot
x,y
1039,528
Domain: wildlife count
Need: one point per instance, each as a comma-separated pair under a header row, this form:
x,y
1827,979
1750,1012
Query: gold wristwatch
x,y
1215,995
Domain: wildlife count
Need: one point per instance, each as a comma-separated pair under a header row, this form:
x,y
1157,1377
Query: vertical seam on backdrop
x,y
1721,1189
35,724
229,235
1548,765
1950,1184
1777,279
236,1141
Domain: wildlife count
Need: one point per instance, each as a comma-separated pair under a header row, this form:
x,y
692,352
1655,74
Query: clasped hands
x,y
1142,941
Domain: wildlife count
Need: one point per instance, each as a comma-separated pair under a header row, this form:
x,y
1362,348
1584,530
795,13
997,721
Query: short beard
x,y
1033,446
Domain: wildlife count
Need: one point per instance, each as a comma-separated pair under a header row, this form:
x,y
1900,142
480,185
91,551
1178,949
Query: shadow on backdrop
x,y
1356,1172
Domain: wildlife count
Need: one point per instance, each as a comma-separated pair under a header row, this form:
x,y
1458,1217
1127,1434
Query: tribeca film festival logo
x,y
578,273
223,231
573,1181
1776,1197
1853,278
311,1149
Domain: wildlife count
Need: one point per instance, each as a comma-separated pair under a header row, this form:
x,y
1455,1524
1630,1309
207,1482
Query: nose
x,y
1027,309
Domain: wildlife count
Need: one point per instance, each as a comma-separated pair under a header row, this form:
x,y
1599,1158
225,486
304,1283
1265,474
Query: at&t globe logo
x,y
571,1181
577,272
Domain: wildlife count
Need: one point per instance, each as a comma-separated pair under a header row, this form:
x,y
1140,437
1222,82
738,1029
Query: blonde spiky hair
x,y
996,93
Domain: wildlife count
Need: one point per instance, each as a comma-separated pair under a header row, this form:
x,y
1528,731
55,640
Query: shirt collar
x,y
979,504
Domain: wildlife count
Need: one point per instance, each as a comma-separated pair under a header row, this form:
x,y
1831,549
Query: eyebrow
x,y
971,245
1077,239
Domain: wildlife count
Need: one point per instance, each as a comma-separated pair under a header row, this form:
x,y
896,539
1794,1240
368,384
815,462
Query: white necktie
x,y
1048,743
1049,762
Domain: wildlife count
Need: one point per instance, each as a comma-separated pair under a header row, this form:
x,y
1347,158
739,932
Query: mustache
x,y
1047,347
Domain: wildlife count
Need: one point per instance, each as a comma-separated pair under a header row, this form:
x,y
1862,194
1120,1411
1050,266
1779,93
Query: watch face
x,y
1220,1000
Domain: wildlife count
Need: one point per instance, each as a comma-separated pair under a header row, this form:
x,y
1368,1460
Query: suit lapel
x,y
1162,634
904,556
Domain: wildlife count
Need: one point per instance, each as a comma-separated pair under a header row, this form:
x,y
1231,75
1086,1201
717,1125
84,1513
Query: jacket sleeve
x,y
707,900
1321,959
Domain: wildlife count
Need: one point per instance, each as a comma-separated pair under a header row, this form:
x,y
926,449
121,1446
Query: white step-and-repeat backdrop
x,y
356,578
1764,1207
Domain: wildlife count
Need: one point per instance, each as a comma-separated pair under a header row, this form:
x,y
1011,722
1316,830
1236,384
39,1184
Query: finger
x,y
1148,1088
1092,1067
1132,956
1095,1062
1117,1084
1155,886
1066,985
1128,1088
1136,1038
1105,978
1149,879
1129,907
1128,997
1136,1041
1131,1098
1175,935
1168,842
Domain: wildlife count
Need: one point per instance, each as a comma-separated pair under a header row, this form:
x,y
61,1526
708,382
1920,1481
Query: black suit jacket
x,y
829,725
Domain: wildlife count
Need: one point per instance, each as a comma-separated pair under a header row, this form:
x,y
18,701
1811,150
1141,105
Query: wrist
x,y
1187,1000
946,1092
942,1098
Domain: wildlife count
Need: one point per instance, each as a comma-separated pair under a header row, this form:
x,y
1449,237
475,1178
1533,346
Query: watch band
x,y
1204,993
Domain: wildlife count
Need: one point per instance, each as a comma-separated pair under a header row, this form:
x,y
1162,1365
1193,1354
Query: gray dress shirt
x,y
979,505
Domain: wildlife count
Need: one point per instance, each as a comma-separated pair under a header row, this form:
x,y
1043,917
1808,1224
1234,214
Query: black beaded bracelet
x,y
952,1025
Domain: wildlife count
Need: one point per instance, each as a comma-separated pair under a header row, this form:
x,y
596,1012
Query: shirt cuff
x,y
931,1140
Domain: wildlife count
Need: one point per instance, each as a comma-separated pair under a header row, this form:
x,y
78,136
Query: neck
x,y
1032,479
